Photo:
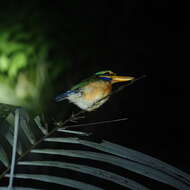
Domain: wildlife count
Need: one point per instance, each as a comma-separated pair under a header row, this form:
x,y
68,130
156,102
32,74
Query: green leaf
x,y
5,110
3,156
130,154
73,132
18,188
126,182
59,180
39,124
18,62
25,125
4,63
123,163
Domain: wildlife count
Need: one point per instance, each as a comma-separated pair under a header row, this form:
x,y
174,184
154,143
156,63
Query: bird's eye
x,y
107,74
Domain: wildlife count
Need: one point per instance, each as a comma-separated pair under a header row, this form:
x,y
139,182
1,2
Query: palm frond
x,y
36,147
29,134
88,170
19,188
58,180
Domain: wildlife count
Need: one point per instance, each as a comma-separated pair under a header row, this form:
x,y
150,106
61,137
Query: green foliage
x,y
25,66
14,54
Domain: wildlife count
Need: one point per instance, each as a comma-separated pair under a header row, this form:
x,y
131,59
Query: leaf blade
x,y
126,182
130,154
58,180
123,163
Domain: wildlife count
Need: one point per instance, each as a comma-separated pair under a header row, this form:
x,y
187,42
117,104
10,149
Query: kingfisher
x,y
94,91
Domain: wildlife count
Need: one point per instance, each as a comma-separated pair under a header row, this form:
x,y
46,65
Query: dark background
x,y
130,38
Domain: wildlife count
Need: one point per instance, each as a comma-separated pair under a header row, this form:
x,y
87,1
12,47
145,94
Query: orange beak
x,y
116,79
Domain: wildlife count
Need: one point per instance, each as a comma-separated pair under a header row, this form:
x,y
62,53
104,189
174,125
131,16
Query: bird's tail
x,y
63,96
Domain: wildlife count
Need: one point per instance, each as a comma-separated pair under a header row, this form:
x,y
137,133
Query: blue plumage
x,y
105,78
64,95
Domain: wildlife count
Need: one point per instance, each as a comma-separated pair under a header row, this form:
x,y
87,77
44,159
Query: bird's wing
x,y
76,89
64,95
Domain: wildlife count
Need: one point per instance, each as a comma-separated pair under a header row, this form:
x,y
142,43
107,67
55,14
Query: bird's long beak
x,y
116,78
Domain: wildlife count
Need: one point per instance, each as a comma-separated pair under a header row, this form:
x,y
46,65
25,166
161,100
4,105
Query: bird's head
x,y
112,77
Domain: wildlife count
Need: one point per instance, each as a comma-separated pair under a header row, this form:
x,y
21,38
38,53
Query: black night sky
x,y
130,38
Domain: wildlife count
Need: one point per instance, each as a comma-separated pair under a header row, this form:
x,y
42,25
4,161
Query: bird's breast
x,y
96,90
92,95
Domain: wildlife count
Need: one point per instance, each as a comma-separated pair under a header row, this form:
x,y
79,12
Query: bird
x,y
94,91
